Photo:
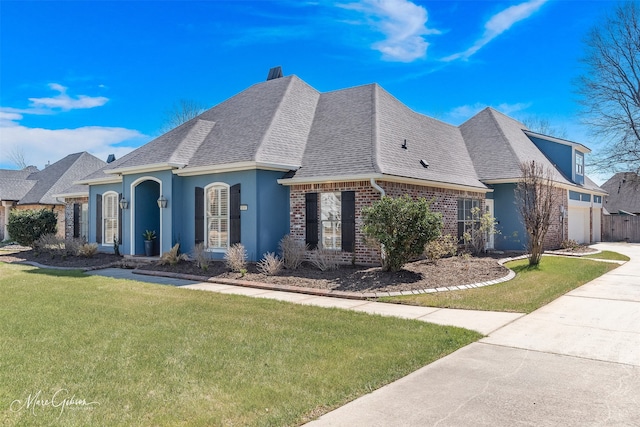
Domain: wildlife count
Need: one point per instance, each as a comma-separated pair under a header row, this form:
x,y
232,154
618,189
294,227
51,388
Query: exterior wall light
x,y
124,204
162,202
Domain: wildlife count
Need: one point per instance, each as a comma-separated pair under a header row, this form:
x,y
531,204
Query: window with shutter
x,y
109,217
217,216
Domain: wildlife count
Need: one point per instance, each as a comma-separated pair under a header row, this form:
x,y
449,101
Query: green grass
x,y
529,290
608,255
159,355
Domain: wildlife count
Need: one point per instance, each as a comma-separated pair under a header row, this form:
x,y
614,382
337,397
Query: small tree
x,y
483,227
402,226
537,201
26,226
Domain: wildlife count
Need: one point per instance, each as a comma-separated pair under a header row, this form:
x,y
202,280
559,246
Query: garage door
x,y
579,224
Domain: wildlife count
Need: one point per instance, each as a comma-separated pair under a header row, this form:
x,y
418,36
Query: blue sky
x,y
100,76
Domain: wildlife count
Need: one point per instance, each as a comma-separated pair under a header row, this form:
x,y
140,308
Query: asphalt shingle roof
x,y
624,192
31,186
353,131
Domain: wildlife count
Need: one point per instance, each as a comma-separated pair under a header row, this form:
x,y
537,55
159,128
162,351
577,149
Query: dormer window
x,y
579,163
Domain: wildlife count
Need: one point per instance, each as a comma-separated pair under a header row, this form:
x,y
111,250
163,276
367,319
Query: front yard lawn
x,y
122,352
529,290
608,255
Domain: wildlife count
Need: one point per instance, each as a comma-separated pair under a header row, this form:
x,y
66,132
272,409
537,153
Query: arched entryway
x,y
146,213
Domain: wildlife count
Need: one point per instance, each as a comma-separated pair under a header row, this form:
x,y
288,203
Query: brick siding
x,y
444,201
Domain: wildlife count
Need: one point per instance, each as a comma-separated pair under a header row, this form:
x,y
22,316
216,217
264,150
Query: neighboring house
x,y
624,194
281,157
31,188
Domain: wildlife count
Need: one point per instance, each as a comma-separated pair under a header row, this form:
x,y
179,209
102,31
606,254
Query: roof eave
x,y
572,187
70,195
97,181
382,177
153,167
234,167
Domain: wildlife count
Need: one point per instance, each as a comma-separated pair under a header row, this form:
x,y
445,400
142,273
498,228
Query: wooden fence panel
x,y
616,228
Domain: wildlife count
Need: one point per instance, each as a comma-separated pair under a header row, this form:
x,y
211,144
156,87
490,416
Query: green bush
x,y
402,226
26,226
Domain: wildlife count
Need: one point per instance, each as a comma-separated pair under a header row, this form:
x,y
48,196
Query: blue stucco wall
x,y
93,191
273,204
512,232
559,154
263,224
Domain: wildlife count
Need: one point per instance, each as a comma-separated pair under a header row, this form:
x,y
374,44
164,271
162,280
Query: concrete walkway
x,y
484,322
574,362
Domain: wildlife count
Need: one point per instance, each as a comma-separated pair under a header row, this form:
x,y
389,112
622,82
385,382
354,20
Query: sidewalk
x,y
574,362
484,322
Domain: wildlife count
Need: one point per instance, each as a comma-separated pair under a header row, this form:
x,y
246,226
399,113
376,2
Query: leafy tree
x,y
26,226
610,87
537,200
402,226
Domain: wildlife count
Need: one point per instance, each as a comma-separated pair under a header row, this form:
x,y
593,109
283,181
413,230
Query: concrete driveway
x,y
574,362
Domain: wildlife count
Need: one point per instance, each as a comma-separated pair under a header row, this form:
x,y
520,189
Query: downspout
x,y
375,185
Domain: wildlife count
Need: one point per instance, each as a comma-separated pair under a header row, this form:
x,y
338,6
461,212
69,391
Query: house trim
x,y
234,167
382,177
154,167
70,195
100,181
555,183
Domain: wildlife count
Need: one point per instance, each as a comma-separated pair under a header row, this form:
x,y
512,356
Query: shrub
x,y
26,226
443,246
88,250
402,226
270,264
324,259
201,257
236,258
292,252
569,244
50,244
172,257
72,246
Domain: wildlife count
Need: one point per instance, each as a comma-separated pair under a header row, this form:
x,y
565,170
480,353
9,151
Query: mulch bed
x,y
415,276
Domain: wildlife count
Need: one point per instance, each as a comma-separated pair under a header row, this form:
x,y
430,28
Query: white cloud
x,y
49,145
498,24
462,113
402,22
43,145
65,102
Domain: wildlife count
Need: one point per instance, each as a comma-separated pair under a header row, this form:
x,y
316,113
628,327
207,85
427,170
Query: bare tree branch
x,y
544,126
18,157
537,201
610,88
181,112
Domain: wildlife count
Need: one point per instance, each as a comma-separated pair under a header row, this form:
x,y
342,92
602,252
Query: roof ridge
x,y
196,136
276,114
504,137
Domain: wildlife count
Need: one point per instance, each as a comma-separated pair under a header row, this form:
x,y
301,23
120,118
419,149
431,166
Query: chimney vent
x,y
111,158
275,73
